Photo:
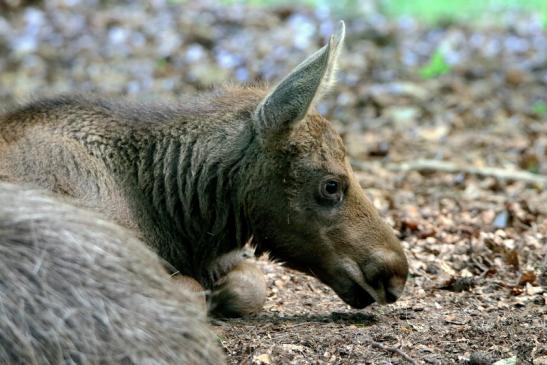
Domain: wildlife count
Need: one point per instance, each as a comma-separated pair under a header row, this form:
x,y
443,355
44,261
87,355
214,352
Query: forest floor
x,y
446,127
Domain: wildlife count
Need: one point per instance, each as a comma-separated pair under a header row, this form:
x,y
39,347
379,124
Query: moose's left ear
x,y
291,99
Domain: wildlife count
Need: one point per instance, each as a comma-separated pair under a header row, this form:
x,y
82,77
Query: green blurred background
x,y
429,11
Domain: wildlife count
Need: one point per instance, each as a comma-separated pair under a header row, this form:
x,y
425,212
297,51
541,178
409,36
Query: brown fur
x,y
192,285
199,179
241,292
75,289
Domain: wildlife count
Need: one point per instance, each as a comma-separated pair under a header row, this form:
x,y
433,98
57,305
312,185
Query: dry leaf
x,y
509,361
512,258
527,277
533,290
458,284
262,359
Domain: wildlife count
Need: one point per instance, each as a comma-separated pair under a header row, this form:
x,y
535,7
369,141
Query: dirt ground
x,y
453,153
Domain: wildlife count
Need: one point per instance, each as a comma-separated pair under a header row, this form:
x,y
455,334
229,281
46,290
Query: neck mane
x,y
189,182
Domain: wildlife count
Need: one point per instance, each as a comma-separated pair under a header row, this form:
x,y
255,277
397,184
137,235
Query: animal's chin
x,y
356,296
347,289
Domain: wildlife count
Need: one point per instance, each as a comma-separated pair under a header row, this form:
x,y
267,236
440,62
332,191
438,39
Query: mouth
x,y
349,283
346,287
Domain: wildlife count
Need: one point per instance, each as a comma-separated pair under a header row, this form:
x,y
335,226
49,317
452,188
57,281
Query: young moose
x,y
199,179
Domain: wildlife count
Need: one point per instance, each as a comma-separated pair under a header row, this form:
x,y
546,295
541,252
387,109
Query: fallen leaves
x,y
262,359
508,361
458,284
498,245
527,277
455,319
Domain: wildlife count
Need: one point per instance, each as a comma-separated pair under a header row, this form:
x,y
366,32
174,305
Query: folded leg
x,y
241,292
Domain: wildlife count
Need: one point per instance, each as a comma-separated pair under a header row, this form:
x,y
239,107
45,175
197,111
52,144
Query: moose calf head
x,y
310,210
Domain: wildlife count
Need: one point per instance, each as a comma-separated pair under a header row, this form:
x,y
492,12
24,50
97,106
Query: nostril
x,y
390,297
387,281
394,288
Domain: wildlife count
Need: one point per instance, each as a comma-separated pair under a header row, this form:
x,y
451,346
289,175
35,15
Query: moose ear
x,y
291,99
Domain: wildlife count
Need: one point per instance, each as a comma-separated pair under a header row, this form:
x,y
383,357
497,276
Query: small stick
x,y
449,167
393,349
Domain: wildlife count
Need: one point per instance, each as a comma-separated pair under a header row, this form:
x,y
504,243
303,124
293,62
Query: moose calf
x,y
76,289
198,179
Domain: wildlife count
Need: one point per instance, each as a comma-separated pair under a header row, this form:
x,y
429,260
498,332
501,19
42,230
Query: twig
x,y
393,349
449,167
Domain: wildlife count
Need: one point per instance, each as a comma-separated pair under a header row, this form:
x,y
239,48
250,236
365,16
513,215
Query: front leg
x,y
241,292
190,284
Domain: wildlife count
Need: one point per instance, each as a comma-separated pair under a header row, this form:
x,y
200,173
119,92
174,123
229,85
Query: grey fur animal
x,y
198,179
75,289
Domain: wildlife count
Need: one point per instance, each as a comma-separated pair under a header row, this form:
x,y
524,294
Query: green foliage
x,y
161,64
429,11
433,11
540,108
310,3
435,67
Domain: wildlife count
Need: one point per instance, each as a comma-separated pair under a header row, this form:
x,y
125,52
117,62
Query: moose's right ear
x,y
291,99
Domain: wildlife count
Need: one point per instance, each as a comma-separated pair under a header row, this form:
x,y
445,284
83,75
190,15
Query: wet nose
x,y
396,283
390,296
391,288
391,270
388,286
385,273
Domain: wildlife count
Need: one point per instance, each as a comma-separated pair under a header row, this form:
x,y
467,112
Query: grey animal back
x,y
75,289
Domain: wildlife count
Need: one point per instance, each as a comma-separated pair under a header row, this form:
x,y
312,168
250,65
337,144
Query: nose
x,y
389,288
389,270
390,296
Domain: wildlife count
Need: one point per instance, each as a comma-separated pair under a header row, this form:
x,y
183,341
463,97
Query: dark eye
x,y
331,191
331,187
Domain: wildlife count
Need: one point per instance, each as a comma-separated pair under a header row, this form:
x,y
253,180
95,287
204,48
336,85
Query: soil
x,y
475,239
